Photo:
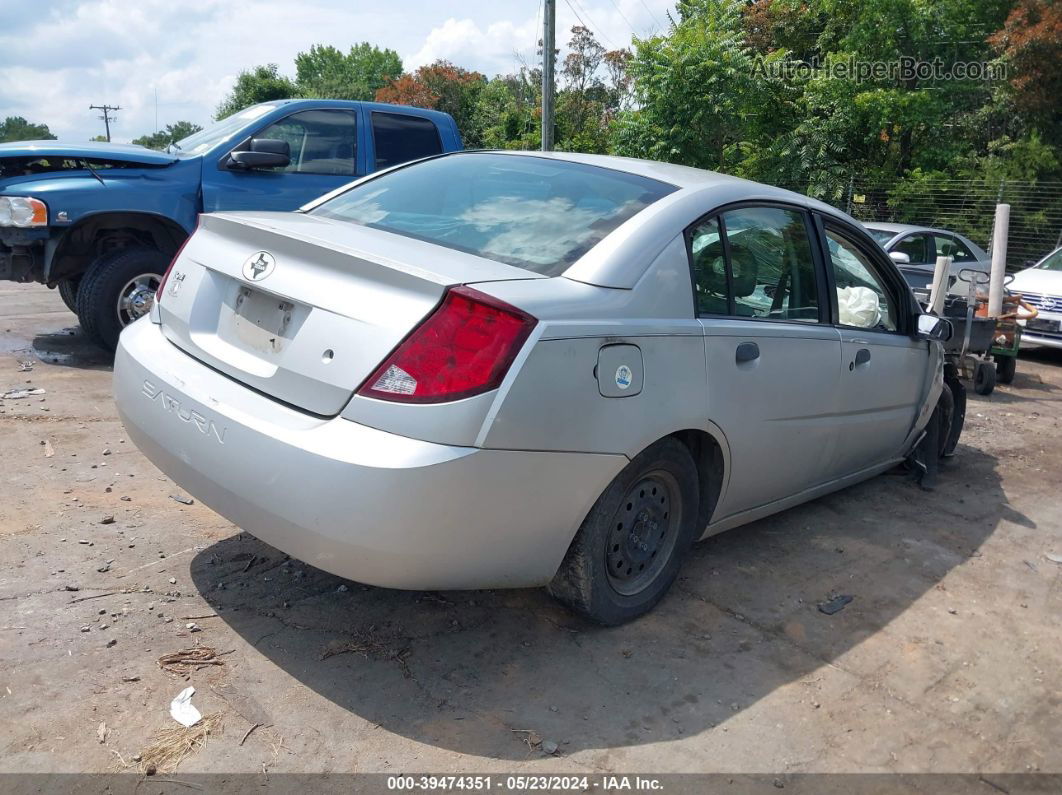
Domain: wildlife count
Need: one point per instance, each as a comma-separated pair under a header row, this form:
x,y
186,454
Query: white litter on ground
x,y
181,709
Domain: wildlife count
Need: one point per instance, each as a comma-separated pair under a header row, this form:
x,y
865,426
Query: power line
x,y
589,24
655,20
620,11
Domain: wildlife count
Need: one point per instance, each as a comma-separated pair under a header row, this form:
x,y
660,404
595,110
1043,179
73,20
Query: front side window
x,y
531,212
321,141
914,246
863,301
400,138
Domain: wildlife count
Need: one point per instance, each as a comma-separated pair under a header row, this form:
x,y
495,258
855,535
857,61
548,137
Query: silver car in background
x,y
511,369
915,249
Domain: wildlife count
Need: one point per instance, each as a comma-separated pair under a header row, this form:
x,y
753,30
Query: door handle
x,y
747,352
862,357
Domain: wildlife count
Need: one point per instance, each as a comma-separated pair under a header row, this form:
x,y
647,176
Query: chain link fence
x,y
966,206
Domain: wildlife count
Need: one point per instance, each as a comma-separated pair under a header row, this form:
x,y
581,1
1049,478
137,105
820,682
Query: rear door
x,y
324,156
772,359
883,368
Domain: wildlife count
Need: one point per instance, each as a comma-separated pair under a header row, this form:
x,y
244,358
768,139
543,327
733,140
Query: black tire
x,y
68,292
1006,367
958,412
105,282
984,378
658,490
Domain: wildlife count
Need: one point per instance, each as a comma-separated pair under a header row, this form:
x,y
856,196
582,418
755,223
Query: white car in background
x,y
1041,286
915,249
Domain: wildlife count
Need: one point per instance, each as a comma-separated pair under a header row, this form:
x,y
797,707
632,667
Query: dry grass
x,y
171,746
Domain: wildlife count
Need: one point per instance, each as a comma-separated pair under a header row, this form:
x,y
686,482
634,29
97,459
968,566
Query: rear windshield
x,y
881,235
531,212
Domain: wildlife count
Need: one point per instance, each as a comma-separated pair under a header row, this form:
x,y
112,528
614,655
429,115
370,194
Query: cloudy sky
x,y
59,56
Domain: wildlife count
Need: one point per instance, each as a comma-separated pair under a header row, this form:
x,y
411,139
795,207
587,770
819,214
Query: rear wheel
x,y
985,378
1006,366
68,292
117,289
629,548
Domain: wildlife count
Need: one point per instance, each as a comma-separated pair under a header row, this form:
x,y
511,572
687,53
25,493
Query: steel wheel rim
x,y
643,533
137,297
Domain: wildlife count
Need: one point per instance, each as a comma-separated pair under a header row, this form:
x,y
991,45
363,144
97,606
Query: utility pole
x,y
549,36
106,116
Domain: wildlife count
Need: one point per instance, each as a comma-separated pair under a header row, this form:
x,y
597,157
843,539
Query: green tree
x,y
444,87
326,73
701,103
172,134
16,128
508,111
260,84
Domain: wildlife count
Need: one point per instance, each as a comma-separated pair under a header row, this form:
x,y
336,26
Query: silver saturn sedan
x,y
492,369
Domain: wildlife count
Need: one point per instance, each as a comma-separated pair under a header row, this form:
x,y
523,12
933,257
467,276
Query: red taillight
x,y
463,348
177,256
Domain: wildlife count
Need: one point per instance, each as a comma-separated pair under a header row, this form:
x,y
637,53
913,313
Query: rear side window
x,y
948,246
400,138
532,212
755,262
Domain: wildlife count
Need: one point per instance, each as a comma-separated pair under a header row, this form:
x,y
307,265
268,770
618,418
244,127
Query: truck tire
x,y
118,288
68,292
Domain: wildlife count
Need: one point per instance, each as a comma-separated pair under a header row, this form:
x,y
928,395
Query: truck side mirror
x,y
900,258
263,153
931,327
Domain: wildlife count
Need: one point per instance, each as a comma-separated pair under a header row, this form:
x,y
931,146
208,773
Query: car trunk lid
x,y
304,308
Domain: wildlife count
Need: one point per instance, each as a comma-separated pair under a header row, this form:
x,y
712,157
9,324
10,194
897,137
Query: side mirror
x,y
900,258
931,327
263,153
1028,264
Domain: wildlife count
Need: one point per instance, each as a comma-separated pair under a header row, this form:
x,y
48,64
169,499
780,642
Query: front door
x,y
772,359
882,367
323,147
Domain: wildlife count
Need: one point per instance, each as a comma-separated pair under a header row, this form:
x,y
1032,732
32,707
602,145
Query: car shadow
x,y
478,672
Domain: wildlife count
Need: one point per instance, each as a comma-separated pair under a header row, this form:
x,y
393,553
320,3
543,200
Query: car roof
x,y
679,176
347,104
684,177
885,226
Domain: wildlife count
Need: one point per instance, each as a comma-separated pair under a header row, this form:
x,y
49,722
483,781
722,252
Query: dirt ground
x,y
949,658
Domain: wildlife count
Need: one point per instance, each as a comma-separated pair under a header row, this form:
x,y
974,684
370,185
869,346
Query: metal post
x,y
549,36
999,260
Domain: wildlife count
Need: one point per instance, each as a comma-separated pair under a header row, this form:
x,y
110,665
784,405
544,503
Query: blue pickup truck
x,y
101,222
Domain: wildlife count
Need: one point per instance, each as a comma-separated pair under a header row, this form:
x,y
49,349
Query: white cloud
x,y
58,61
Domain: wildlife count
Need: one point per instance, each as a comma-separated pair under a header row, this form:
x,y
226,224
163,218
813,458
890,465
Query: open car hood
x,y
89,151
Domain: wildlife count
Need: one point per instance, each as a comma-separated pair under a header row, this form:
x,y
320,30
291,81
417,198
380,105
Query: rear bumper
x,y
356,501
